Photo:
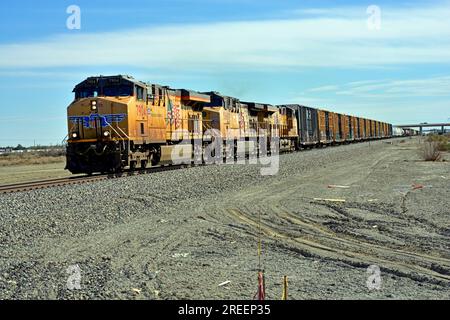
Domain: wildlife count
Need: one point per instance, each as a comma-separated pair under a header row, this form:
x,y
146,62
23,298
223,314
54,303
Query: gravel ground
x,y
179,234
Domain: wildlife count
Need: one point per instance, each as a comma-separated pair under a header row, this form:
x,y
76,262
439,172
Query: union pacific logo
x,y
103,119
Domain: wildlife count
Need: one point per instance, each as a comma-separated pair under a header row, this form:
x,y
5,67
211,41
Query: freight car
x,y
117,122
398,132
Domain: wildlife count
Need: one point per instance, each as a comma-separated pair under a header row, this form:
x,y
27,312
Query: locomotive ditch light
x,y
106,134
74,135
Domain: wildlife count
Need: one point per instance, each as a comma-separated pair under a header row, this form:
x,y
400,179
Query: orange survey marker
x,y
417,186
261,293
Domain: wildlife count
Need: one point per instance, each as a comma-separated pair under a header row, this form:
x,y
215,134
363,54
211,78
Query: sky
x,y
383,60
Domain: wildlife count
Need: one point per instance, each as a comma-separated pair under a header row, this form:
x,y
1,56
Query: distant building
x,y
5,150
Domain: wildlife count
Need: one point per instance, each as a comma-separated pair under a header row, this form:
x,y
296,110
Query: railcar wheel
x,y
155,157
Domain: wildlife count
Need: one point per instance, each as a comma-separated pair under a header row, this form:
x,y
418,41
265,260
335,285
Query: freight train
x,y
117,123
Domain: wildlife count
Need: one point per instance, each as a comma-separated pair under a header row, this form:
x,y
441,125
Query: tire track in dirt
x,y
274,200
333,236
362,256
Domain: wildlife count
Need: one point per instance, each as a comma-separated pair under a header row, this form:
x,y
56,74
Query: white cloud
x,y
324,88
392,100
412,35
427,87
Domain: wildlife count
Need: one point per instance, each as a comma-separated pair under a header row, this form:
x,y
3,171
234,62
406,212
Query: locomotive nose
x,y
98,118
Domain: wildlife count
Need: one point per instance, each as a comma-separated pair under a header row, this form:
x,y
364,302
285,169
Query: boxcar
x,y
357,128
351,129
326,127
307,123
339,128
362,128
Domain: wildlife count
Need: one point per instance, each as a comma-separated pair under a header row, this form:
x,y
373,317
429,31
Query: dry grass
x,y
31,158
430,151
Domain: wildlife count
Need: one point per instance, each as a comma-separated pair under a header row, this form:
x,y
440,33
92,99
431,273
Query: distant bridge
x,y
425,125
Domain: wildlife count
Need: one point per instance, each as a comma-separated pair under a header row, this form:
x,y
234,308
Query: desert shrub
x,y
430,151
442,141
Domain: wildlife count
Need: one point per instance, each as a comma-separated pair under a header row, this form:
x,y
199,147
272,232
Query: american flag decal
x,y
169,111
241,120
176,117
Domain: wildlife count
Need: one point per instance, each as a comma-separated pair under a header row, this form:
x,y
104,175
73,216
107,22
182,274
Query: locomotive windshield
x,y
121,90
87,93
118,91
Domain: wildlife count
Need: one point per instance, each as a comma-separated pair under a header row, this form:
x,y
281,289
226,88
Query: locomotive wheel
x,y
155,158
113,170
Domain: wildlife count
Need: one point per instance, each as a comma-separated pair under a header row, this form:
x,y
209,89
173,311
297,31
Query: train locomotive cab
x,y
117,123
98,123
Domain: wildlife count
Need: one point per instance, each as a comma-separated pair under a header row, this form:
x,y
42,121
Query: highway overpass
x,y
425,125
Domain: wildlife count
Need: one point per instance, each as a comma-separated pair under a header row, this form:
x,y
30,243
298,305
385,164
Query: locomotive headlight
x,y
74,135
94,105
106,134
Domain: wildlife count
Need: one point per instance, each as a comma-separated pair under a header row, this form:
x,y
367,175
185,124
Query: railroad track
x,y
42,184
49,183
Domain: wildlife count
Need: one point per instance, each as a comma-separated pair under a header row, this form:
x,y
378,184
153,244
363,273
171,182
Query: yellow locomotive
x,y
117,122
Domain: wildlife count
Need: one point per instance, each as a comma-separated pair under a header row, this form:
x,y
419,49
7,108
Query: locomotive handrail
x,y
126,136
64,140
123,140
116,132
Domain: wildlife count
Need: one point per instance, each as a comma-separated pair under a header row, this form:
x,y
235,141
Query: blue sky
x,y
318,53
